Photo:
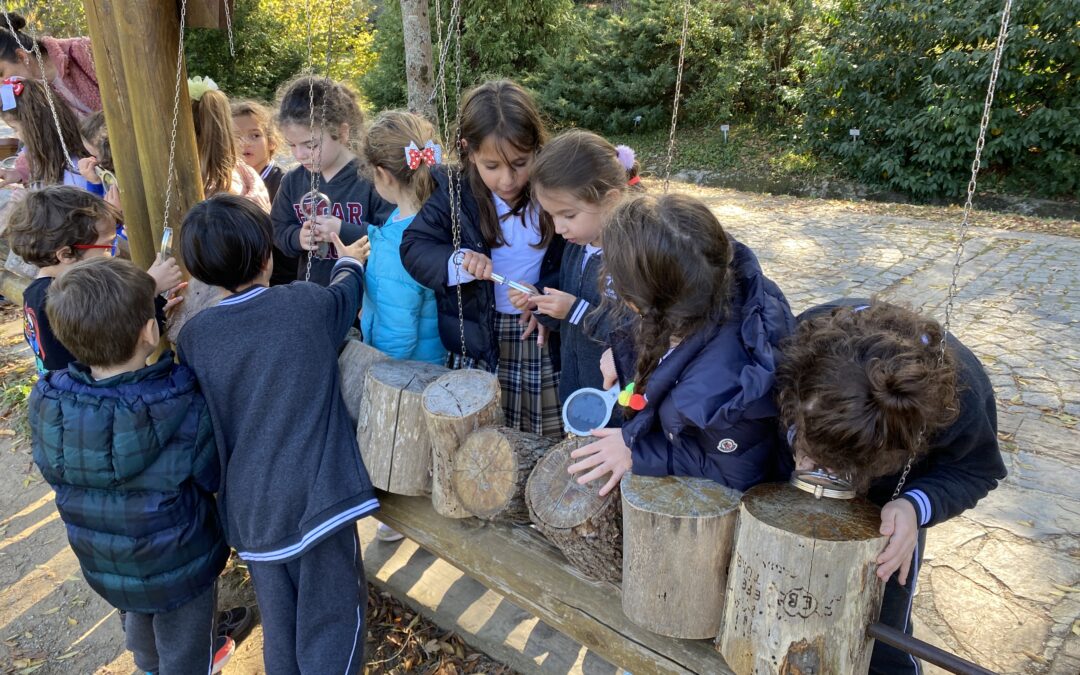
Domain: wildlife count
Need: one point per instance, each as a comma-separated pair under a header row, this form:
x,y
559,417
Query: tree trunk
x,y
801,587
491,469
353,365
586,527
455,405
391,433
197,297
419,68
677,539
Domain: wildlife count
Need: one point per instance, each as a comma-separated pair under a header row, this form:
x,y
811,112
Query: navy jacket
x,y
426,248
134,465
964,462
711,411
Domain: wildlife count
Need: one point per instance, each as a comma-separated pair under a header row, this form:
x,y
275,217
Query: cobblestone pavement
x,y
1001,584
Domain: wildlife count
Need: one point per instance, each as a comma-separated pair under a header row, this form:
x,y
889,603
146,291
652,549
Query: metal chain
x,y
444,45
228,26
678,94
903,476
975,165
175,117
36,51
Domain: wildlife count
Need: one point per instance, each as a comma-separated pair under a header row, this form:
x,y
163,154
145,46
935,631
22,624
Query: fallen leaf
x,y
1067,589
1026,523
73,621
47,612
67,656
1035,657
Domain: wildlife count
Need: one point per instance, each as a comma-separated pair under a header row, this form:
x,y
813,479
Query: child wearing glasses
x,y
54,228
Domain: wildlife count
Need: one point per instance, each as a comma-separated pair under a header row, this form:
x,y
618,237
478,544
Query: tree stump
x,y
391,431
801,588
490,471
677,539
586,527
197,297
353,365
455,405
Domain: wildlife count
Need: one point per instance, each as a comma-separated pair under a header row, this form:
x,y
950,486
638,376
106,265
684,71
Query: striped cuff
x,y
578,311
922,505
347,262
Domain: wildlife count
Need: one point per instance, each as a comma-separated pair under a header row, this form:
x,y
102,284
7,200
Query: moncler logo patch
x,y
727,445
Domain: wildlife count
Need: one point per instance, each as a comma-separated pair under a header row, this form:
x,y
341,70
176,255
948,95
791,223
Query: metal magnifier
x,y
821,483
309,206
588,409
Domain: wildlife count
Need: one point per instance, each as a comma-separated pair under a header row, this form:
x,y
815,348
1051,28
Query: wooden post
x,y
391,432
197,297
802,587
148,33
353,364
677,538
490,471
419,69
586,527
100,17
455,405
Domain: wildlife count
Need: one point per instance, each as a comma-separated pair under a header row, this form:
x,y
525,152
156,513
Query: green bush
x,y
912,76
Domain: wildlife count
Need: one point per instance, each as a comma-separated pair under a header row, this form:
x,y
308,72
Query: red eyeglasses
x,y
111,247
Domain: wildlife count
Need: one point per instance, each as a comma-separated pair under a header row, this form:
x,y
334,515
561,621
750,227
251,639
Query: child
x,y
97,167
578,178
259,142
32,120
400,317
293,483
328,150
699,365
863,393
54,228
221,170
504,232
68,64
138,506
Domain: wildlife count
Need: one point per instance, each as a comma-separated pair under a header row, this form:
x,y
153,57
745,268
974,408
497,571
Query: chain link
x,y
903,477
228,26
175,117
975,165
36,51
678,94
454,20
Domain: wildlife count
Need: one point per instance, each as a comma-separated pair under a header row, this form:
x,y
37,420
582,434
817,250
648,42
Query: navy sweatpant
x,y
896,612
312,609
180,642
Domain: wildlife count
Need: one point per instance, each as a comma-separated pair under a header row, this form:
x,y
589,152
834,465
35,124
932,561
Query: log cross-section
x,y
491,469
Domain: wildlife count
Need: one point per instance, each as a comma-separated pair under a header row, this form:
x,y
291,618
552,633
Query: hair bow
x,y
11,88
430,154
199,85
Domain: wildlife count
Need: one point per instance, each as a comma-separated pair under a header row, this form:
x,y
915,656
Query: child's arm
x,y
427,245
346,289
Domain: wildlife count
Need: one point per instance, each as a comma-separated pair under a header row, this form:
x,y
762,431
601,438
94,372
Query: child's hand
x,y
112,197
173,297
522,301
478,265
308,241
325,226
359,249
528,321
607,369
86,169
607,455
554,303
166,274
899,522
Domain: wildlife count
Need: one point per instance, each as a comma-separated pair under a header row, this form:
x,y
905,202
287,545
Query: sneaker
x,y
386,533
235,623
223,651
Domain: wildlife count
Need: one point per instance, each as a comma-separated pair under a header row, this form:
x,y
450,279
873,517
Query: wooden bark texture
x,y
491,469
197,297
353,365
419,68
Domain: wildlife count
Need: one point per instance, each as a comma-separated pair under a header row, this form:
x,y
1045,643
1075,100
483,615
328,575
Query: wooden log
x,y
586,527
197,297
391,432
802,586
491,469
419,68
353,364
455,405
677,539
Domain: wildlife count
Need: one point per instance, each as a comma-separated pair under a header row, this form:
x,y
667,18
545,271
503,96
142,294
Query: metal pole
x,y
925,651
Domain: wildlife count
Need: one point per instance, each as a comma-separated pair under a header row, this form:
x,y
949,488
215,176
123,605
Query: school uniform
x,y
528,373
961,467
710,410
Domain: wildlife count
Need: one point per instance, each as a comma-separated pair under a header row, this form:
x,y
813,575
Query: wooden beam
x,y
209,13
100,17
148,32
517,563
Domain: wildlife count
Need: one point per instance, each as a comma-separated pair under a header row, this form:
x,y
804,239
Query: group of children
x,y
644,292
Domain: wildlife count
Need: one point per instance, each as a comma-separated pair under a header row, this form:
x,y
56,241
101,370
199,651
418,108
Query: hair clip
x,y
199,85
11,88
626,156
628,399
431,154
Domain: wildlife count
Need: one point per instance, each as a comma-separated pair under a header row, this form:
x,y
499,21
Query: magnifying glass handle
x,y
612,395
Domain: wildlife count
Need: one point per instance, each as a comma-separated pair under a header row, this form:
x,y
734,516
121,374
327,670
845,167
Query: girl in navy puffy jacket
x,y
698,362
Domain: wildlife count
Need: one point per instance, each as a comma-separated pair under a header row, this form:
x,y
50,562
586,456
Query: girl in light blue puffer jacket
x,y
399,315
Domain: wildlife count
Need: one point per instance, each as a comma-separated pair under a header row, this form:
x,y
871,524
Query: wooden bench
x,y
517,563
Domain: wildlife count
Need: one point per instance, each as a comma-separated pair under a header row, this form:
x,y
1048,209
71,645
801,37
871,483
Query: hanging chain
x,y
228,26
175,117
453,20
678,94
36,51
903,476
310,203
975,164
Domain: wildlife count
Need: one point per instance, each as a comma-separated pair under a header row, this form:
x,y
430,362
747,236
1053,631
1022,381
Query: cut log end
x,y
490,471
798,512
461,393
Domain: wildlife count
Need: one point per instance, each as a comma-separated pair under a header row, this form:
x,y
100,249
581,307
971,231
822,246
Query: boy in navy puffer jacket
x,y
131,454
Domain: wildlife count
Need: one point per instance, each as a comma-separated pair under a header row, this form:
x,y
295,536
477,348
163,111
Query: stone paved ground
x,y
1001,584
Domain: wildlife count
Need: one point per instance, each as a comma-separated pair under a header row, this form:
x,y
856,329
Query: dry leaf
x,y
73,621
67,656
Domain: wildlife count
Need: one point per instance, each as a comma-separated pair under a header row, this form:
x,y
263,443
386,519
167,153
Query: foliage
x,y
912,76
58,18
271,41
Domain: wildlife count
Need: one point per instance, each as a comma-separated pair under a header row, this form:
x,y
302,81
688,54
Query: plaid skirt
x,y
529,383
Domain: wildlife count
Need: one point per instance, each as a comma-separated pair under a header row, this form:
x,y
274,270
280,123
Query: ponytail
x,y
215,140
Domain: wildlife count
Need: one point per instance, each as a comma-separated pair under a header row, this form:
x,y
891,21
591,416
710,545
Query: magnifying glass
x,y
588,409
821,483
309,207
500,279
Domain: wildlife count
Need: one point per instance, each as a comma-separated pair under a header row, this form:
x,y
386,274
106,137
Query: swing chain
x,y
171,176
228,27
975,165
678,93
36,51
444,47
